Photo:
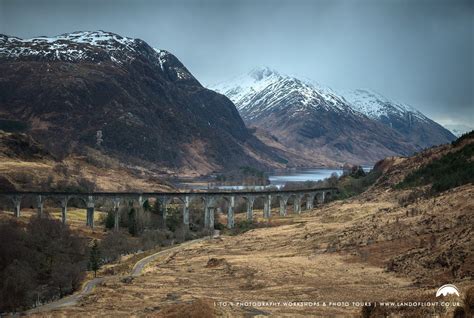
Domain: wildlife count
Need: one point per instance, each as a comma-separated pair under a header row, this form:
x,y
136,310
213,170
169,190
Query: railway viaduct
x,y
165,198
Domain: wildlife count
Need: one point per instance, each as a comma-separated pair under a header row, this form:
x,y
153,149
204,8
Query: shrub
x,y
42,261
109,220
451,170
115,244
153,238
467,135
349,185
174,218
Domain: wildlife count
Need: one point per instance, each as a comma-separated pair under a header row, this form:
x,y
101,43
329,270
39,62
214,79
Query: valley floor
x,y
304,258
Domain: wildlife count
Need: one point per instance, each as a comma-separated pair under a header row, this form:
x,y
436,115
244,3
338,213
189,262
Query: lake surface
x,y
279,178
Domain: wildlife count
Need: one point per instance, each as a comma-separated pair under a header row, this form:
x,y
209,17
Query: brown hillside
x,y
25,165
384,245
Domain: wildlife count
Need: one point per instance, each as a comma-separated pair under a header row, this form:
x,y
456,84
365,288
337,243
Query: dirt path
x,y
69,300
278,264
140,265
91,284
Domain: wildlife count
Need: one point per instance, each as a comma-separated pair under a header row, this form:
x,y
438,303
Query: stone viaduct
x,y
165,198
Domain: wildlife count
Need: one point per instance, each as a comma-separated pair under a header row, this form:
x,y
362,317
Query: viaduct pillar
x,y
297,204
186,212
90,211
164,209
309,201
250,202
230,213
64,209
17,205
209,212
267,206
116,202
40,205
283,204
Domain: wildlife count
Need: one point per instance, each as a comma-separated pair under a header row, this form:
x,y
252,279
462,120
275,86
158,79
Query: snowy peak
x,y
263,90
71,47
95,47
267,98
404,119
174,69
377,106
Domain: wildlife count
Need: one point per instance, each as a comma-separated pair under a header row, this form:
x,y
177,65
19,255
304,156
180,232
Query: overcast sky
x,y
417,52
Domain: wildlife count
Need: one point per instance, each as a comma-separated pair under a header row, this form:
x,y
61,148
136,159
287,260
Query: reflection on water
x,y
279,178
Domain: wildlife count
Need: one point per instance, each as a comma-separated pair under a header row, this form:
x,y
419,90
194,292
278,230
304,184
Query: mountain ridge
x,y
148,108
322,120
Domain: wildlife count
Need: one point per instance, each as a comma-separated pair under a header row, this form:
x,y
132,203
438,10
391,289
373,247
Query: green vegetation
x,y
174,218
353,184
468,135
109,220
133,223
246,175
451,170
244,226
12,125
251,171
94,258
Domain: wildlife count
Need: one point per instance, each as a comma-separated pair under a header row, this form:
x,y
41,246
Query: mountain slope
x,y
129,100
25,165
358,126
378,244
407,121
314,121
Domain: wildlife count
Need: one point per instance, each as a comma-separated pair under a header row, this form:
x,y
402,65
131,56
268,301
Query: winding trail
x,y
140,265
91,284
68,300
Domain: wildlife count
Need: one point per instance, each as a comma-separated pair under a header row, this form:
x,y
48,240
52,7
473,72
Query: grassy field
x,y
76,219
335,253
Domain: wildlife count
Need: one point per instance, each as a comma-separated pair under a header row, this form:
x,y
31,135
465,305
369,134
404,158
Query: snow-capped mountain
x,y
264,90
95,47
72,47
406,120
360,127
144,102
376,106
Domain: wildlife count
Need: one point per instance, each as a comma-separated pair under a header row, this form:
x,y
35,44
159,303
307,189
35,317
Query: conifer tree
x,y
94,259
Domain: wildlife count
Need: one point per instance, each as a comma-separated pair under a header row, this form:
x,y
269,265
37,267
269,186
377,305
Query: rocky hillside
x,y
124,98
318,122
425,229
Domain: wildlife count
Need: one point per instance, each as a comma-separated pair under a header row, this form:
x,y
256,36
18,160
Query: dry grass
x,y
32,175
337,252
76,219
200,308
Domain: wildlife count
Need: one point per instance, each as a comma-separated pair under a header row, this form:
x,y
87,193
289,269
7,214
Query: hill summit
x,y
102,90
